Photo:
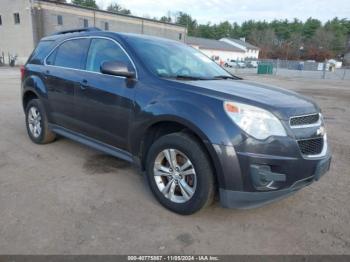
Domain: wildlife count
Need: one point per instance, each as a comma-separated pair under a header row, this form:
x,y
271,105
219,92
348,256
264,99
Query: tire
x,y
226,64
37,124
193,190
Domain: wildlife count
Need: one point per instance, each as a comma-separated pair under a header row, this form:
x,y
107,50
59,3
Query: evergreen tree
x,y
85,3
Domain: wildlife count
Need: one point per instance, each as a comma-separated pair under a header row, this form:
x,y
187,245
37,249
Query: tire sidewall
x,y
200,163
36,103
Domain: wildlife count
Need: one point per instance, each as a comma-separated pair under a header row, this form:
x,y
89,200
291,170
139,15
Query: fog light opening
x,y
264,179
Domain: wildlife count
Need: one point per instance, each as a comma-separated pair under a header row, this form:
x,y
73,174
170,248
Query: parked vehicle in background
x,y
216,59
235,64
230,63
334,63
194,129
241,64
252,64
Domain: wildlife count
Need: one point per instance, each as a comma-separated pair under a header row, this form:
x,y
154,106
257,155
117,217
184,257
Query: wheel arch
x,y
34,87
28,95
168,125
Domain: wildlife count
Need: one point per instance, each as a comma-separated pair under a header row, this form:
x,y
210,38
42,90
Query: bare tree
x,y
265,39
323,39
115,8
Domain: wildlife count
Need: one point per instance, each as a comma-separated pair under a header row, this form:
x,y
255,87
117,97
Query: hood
x,y
281,102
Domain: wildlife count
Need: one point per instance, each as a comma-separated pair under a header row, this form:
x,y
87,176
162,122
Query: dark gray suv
x,y
194,129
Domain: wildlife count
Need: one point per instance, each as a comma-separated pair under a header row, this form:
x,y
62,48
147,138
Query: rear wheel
x,y
37,124
179,173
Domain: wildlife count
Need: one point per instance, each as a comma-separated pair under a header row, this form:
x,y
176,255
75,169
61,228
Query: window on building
x,y
0,20
71,54
59,20
103,50
16,18
86,23
106,26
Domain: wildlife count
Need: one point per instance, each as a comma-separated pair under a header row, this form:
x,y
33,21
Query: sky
x,y
215,11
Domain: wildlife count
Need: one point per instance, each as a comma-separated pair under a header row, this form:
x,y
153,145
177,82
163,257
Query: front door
x,y
104,103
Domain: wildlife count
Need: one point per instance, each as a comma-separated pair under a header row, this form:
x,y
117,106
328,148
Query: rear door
x,y
62,75
105,102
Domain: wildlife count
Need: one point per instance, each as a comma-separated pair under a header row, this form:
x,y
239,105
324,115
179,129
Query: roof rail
x,y
79,30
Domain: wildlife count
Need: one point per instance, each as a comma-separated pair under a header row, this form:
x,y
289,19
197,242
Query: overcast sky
x,y
239,10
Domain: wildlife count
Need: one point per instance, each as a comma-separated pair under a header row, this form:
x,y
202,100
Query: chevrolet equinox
x,y
192,128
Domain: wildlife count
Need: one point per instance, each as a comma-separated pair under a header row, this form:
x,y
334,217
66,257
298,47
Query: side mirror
x,y
117,69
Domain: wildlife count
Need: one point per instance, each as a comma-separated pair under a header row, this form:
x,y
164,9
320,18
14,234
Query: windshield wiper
x,y
225,77
190,77
187,77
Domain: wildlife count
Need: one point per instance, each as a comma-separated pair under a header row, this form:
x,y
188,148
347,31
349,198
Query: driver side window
x,y
104,50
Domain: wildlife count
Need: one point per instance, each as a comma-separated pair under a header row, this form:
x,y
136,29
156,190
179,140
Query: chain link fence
x,y
302,69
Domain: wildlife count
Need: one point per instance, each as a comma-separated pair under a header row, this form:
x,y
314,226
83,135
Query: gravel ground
x,y
65,198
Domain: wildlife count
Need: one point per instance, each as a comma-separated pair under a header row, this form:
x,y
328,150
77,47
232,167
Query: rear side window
x,y
103,50
40,52
70,54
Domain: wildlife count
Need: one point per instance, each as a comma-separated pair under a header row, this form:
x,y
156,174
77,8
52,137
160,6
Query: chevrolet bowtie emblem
x,y
320,131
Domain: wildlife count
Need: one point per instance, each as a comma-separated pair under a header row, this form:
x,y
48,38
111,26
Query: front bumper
x,y
245,200
290,172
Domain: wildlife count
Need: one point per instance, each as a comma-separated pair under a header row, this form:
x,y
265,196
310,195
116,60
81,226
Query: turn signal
x,y
231,108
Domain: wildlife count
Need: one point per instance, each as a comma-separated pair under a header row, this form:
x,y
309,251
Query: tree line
x,y
116,8
283,39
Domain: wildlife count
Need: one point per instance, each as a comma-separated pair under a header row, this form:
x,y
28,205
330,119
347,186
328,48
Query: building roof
x,y
204,43
243,43
108,12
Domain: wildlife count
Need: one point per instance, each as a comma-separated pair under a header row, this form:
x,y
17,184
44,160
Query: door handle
x,y
84,84
46,73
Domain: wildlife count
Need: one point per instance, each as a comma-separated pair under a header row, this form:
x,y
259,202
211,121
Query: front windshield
x,y
176,60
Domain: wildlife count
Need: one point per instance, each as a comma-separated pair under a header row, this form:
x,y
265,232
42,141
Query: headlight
x,y
255,121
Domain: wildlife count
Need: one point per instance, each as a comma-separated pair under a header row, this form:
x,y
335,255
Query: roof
x,y
108,12
243,43
91,32
205,43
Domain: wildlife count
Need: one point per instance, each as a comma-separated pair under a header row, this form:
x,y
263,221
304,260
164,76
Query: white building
x,y
250,51
24,22
219,51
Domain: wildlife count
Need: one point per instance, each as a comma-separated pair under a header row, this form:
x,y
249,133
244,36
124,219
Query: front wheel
x,y
179,174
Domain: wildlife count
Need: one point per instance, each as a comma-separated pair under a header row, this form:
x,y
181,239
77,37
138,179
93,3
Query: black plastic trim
x,y
246,200
119,153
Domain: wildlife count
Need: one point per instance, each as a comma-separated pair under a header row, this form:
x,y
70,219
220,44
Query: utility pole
x,y
324,69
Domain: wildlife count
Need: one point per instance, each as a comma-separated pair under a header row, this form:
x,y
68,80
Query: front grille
x,y
311,146
304,120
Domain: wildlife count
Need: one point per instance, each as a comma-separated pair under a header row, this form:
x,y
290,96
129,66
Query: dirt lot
x,y
65,198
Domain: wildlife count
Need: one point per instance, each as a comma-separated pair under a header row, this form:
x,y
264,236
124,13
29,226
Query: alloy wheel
x,y
34,121
175,175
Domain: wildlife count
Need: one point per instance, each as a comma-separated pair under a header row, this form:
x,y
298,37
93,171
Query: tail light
x,y
23,70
